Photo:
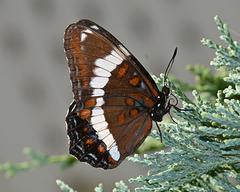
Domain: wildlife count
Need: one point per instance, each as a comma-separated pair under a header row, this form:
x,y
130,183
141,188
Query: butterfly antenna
x,y
160,133
170,64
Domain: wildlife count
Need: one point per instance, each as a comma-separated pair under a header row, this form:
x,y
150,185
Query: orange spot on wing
x,y
155,93
147,101
122,71
90,141
121,118
84,114
134,113
129,101
85,129
89,103
101,149
134,81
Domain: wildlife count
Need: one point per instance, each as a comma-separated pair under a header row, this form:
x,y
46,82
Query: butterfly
x,y
115,98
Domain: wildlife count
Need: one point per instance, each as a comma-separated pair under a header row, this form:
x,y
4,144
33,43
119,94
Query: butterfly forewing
x,y
113,95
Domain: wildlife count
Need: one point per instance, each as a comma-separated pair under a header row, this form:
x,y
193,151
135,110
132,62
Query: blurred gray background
x,y
34,78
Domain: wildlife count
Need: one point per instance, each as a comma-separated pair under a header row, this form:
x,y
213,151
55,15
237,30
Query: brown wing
x,y
113,96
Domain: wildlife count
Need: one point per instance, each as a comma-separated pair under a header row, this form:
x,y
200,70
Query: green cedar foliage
x,y
205,142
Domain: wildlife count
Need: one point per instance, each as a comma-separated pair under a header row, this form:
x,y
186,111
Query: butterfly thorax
x,y
161,106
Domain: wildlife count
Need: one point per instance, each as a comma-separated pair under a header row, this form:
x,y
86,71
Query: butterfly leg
x,y
160,133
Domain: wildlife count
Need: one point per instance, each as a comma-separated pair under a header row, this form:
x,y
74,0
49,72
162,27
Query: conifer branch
x,y
205,144
36,160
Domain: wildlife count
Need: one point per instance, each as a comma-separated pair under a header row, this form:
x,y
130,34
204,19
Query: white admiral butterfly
x,y
115,98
